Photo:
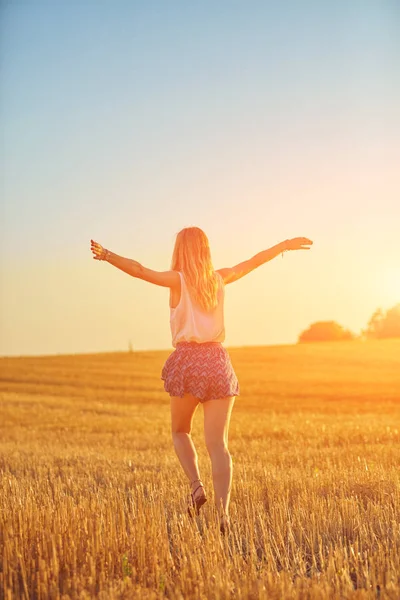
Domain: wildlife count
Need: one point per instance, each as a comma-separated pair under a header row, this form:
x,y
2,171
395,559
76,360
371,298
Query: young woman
x,y
199,370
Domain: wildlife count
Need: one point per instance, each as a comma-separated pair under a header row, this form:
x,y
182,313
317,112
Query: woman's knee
x,y
217,447
178,433
179,426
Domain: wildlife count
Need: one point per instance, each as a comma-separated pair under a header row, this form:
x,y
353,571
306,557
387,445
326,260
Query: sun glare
x,y
391,286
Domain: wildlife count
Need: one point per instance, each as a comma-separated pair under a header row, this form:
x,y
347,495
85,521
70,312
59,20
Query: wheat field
x,y
93,498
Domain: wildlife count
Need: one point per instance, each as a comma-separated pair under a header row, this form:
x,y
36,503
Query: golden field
x,y
93,497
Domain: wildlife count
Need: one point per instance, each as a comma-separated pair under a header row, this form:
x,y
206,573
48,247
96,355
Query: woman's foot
x,y
224,524
197,497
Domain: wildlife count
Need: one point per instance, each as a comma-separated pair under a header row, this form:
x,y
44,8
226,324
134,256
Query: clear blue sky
x,y
257,121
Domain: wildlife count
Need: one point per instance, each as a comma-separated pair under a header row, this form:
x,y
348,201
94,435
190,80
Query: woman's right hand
x,y
298,243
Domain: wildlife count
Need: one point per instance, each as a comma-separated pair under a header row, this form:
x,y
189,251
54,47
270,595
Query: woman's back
x,y
189,322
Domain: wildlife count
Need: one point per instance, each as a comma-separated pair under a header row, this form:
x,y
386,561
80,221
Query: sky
x,y
125,121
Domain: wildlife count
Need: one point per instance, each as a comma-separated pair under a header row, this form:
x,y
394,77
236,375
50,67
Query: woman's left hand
x,y
97,250
299,243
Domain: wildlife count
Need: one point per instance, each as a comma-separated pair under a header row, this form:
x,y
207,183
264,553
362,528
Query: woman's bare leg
x,y
182,412
217,414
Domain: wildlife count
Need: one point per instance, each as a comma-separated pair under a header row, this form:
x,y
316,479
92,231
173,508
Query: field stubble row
x,y
93,499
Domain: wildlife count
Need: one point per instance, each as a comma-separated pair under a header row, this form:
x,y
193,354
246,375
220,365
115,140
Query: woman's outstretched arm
x,y
232,274
134,268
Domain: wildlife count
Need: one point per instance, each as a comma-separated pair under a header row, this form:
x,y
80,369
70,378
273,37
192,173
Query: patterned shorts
x,y
203,370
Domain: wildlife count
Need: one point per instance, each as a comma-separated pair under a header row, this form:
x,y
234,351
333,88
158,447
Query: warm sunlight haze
x,y
126,123
200,300
390,285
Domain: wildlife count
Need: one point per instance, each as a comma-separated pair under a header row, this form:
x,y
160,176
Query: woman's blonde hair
x,y
192,256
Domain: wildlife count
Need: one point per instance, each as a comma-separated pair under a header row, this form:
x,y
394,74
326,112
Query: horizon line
x,y
148,350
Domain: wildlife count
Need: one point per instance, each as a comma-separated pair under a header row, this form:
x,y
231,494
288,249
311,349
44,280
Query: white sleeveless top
x,y
190,323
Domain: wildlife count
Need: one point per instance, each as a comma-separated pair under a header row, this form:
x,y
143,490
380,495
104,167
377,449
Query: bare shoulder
x,y
226,274
231,274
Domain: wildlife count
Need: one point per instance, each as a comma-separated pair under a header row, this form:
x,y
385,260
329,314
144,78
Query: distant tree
x,y
384,324
130,347
325,331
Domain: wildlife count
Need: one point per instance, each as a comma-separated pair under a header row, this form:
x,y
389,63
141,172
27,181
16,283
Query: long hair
x,y
192,256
